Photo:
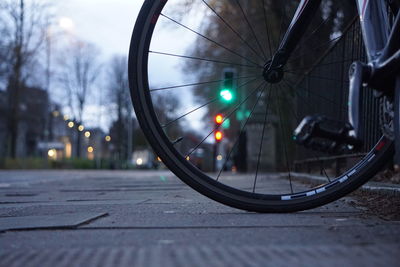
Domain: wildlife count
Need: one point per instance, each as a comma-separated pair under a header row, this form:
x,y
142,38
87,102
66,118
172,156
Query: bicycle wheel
x,y
184,54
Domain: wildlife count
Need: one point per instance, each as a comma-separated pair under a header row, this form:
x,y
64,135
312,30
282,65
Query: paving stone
x,y
194,256
51,221
57,218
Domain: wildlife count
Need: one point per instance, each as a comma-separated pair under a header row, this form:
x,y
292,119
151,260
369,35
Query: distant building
x,y
94,144
33,109
43,131
59,136
62,139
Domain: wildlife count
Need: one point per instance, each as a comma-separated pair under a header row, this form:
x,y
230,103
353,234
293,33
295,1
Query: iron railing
x,y
325,90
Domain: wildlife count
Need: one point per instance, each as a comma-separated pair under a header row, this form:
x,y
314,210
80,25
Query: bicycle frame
x,y
382,49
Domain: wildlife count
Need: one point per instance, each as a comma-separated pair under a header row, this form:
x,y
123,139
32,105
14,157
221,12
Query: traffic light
x,y
219,119
227,93
218,136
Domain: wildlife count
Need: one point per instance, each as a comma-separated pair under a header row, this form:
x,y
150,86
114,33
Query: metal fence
x,y
325,90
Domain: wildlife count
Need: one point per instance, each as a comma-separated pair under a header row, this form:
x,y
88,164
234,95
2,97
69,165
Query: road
x,y
149,218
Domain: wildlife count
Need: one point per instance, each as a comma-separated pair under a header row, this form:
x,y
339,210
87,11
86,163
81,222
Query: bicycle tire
x,y
201,181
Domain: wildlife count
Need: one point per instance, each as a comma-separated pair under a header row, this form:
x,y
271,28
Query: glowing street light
x,y
51,153
66,24
56,113
108,138
90,149
71,124
87,134
81,128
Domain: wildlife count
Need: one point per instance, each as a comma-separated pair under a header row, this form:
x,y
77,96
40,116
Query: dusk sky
x,y
107,24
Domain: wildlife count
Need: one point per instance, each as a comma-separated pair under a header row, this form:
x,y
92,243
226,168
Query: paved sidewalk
x,y
139,218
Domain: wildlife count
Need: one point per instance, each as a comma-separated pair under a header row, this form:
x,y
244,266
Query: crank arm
x,y
358,73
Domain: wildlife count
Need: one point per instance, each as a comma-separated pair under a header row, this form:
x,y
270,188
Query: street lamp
x,y
87,134
52,154
56,113
66,24
71,124
81,128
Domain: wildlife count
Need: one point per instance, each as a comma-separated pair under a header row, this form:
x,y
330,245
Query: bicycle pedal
x,y
320,133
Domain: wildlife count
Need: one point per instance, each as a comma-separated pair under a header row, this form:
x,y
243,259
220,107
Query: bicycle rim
x,y
271,112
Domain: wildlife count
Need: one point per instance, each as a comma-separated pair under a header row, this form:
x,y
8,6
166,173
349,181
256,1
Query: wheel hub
x,y
272,75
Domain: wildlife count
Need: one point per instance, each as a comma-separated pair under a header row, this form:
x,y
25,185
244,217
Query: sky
x,y
108,24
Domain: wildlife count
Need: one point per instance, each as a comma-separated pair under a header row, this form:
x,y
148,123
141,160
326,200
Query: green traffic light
x,y
226,95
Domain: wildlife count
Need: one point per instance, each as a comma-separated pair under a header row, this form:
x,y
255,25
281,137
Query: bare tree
x,y
4,52
118,92
79,68
23,32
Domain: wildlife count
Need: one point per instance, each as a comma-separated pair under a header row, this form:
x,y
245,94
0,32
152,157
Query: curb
x,y
370,187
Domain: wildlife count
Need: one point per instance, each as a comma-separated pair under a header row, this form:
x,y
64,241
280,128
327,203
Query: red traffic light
x,y
218,136
219,119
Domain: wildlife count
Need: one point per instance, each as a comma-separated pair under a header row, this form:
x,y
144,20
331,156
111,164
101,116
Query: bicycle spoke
x,y
298,121
319,65
305,39
284,143
281,27
290,106
210,40
233,30
226,117
251,29
240,134
317,95
293,59
216,46
262,138
267,29
190,112
205,59
316,77
201,83
201,106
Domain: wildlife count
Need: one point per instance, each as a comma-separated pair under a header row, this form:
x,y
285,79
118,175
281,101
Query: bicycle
x,y
267,68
